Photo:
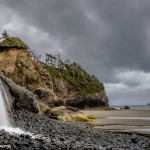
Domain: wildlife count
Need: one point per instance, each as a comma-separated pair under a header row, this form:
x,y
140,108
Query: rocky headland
x,y
52,85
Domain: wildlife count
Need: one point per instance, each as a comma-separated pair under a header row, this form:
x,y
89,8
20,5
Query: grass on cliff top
x,y
13,42
82,82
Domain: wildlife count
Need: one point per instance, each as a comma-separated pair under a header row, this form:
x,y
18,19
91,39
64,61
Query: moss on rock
x,y
91,117
82,82
13,42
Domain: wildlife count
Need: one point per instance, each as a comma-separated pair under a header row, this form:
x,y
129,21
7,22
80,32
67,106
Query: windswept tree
x,y
73,67
5,35
67,62
73,73
60,62
94,78
77,67
34,55
51,59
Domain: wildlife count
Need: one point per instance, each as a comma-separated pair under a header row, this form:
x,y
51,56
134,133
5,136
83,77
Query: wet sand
x,y
122,120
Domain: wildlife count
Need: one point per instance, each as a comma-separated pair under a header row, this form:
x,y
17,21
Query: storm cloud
x,y
108,38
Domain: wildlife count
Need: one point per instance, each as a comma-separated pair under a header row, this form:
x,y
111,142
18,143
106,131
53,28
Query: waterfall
x,y
4,120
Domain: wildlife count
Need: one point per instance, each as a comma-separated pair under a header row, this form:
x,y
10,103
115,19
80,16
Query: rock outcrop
x,y
74,99
19,97
50,92
18,66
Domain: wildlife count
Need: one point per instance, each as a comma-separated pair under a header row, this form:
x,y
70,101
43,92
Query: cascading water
x,y
4,120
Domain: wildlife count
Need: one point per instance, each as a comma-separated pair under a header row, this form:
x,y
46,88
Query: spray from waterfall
x,y
4,120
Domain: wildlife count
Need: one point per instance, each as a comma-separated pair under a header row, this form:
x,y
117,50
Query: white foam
x,y
143,130
116,107
138,130
18,131
138,118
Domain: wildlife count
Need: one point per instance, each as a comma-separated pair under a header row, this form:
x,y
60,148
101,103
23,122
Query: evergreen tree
x,y
5,35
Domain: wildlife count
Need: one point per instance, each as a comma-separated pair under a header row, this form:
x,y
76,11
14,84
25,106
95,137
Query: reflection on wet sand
x,y
123,120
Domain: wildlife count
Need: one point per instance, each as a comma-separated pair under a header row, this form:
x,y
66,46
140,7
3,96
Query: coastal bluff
x,y
17,64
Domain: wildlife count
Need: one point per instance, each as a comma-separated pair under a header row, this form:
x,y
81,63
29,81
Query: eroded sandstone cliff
x,y
18,65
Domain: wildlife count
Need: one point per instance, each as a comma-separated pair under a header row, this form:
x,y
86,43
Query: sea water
x,y
138,107
138,128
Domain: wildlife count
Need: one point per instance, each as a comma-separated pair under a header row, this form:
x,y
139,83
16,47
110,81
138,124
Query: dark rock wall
x,y
73,98
23,99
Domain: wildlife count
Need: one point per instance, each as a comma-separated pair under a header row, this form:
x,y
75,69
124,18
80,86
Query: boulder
x,y
126,107
65,113
42,93
46,100
44,109
22,99
70,114
63,110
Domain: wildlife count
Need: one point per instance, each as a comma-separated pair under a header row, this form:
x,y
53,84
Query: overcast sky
x,y
109,38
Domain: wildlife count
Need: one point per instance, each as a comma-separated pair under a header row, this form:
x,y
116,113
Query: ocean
x,y
137,107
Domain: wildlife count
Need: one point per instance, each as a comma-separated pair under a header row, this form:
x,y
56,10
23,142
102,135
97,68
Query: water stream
x,y
4,120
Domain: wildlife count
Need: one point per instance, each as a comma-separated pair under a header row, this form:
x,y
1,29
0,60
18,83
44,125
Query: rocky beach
x,y
50,134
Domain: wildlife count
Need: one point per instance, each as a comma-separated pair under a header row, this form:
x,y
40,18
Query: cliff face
x,y
73,98
18,65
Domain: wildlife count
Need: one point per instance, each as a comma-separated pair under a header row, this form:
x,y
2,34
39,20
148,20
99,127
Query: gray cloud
x,y
106,37
132,98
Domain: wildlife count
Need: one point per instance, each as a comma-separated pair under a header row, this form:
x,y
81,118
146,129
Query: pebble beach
x,y
43,133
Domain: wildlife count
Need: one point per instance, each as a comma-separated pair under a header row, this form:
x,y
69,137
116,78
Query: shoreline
x,y
122,120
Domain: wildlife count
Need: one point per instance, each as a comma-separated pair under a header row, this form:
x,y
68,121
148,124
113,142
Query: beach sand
x,y
131,120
